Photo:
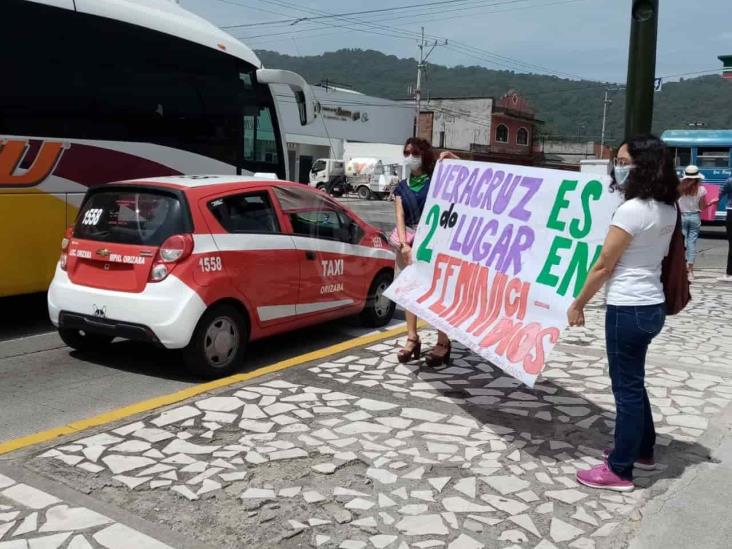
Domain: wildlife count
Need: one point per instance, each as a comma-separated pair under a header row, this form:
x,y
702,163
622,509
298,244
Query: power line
x,y
240,5
708,71
460,47
416,17
486,56
325,15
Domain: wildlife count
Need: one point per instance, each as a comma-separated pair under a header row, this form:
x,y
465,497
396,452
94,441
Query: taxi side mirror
x,y
354,233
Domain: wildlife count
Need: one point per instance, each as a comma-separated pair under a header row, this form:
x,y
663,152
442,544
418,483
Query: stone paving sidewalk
x,y
360,451
33,519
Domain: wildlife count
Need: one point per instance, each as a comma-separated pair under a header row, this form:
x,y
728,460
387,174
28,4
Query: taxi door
x,y
332,273
259,257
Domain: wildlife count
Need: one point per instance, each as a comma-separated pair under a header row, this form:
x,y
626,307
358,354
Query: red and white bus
x,y
95,91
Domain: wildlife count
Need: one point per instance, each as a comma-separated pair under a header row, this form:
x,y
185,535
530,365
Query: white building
x,y
345,116
457,123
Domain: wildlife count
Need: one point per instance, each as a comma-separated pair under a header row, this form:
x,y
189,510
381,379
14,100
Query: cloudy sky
x,y
581,38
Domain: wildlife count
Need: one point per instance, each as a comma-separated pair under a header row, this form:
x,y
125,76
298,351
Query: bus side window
x,y
713,157
682,157
260,144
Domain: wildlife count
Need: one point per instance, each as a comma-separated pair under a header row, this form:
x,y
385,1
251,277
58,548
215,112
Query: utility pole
x,y
641,68
605,104
420,67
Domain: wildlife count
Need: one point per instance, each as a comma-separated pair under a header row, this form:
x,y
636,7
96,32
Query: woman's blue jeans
x,y
628,332
690,226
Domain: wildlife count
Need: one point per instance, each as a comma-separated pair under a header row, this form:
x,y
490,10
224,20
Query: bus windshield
x,y
134,85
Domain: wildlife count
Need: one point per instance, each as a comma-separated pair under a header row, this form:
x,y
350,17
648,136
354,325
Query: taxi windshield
x,y
130,217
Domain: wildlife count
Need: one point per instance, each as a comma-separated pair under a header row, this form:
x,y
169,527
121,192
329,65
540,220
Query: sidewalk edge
x,y
184,394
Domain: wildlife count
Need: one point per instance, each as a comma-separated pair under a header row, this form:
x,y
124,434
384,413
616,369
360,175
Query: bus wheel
x,y
364,193
218,343
84,341
379,309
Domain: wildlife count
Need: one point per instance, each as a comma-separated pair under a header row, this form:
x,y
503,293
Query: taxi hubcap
x,y
221,341
381,302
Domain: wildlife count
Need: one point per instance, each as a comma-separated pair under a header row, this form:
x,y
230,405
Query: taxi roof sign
x,y
727,69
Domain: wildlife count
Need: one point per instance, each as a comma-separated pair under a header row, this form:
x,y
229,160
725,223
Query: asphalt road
x,y
44,384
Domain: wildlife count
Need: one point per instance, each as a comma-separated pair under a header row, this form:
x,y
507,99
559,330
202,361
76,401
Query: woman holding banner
x,y
630,264
410,196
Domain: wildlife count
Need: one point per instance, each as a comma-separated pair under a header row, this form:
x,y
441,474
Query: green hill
x,y
569,107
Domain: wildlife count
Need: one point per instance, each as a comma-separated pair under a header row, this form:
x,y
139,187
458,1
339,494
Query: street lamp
x,y
641,68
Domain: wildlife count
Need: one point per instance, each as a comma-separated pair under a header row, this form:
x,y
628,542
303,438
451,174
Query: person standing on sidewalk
x,y
630,264
410,196
726,192
691,203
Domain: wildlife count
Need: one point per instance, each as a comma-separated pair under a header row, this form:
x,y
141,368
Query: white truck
x,y
324,171
371,170
373,177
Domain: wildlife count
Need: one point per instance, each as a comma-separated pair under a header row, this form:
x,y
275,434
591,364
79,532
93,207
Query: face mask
x,y
621,175
413,162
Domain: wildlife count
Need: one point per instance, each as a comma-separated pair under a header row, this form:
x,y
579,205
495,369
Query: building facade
x,y
514,125
456,123
563,153
345,116
483,128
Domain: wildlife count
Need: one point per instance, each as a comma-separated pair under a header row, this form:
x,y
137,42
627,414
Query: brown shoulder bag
x,y
674,276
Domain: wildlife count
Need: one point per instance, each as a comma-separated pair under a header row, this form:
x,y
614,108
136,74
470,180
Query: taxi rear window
x,y
130,217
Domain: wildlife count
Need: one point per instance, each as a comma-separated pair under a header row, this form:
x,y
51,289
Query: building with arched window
x,y
522,137
502,130
516,126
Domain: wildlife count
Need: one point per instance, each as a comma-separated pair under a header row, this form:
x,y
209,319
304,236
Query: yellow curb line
x,y
172,398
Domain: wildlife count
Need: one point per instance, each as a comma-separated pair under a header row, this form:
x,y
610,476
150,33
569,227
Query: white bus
x,y
94,91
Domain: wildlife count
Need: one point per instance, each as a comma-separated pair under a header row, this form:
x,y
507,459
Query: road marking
x,y
178,396
23,338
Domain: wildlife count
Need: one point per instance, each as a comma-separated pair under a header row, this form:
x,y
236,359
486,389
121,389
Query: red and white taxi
x,y
208,263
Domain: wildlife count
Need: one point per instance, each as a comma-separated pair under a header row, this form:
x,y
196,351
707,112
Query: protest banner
x,y
500,253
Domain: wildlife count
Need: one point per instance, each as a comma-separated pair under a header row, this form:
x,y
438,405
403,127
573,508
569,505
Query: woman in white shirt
x,y
691,204
630,264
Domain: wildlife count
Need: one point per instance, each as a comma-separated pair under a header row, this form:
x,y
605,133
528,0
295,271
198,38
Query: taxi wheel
x,y
84,341
218,343
379,309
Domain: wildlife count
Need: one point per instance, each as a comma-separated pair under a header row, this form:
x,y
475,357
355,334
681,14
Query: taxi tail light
x,y
174,250
65,241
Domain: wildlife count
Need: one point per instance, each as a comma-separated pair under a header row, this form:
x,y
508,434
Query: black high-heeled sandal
x,y
439,355
409,353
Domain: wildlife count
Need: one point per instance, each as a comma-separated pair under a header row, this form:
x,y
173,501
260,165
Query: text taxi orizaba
x,y
208,263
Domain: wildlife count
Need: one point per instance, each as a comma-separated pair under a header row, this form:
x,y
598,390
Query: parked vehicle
x,y
110,90
209,263
324,171
711,150
369,178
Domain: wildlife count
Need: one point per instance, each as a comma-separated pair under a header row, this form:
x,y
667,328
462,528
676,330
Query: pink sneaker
x,y
643,464
603,478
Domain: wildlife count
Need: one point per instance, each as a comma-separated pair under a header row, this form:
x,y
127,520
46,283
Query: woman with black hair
x,y
630,264
410,197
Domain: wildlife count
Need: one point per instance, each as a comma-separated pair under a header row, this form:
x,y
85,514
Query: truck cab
x,y
324,170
